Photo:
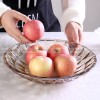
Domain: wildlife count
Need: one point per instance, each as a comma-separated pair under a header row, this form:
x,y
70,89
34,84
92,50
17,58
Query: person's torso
x,y
36,9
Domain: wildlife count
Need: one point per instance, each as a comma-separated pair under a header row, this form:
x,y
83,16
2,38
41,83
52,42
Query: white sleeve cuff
x,y
72,14
3,8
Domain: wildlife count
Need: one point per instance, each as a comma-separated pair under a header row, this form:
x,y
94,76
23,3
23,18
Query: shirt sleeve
x,y
74,11
3,8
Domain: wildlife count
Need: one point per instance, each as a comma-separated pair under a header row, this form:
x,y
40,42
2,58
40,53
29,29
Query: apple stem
x,y
56,50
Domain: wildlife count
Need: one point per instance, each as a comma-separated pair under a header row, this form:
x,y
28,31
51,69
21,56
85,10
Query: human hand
x,y
9,20
74,32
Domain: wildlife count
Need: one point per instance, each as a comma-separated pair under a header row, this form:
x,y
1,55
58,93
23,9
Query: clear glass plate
x,y
14,57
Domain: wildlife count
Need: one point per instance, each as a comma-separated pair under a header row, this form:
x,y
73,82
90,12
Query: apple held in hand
x,y
33,30
65,65
55,50
41,66
35,50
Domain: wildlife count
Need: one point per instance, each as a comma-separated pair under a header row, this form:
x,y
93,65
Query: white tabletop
x,y
14,87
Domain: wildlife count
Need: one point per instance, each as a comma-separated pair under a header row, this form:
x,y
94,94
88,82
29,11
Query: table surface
x,y
14,87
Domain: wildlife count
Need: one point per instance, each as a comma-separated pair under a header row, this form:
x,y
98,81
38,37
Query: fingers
x,y
72,36
74,32
74,42
75,36
18,36
9,24
16,33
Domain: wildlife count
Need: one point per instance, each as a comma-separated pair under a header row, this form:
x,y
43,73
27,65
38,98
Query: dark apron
x,y
41,10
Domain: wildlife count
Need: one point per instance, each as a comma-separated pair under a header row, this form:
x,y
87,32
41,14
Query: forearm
x,y
3,8
74,11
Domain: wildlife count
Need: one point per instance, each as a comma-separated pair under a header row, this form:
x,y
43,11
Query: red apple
x,y
33,30
35,50
56,49
65,65
41,66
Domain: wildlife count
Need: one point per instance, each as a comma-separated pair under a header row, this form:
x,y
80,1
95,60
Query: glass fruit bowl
x,y
14,57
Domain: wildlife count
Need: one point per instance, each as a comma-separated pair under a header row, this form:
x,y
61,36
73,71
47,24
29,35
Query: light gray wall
x,y
92,20
57,8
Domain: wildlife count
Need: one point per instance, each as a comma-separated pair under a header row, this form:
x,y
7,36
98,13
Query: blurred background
x,y
92,21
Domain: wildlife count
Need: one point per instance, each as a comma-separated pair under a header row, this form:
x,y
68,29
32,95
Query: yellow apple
x,y
41,66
